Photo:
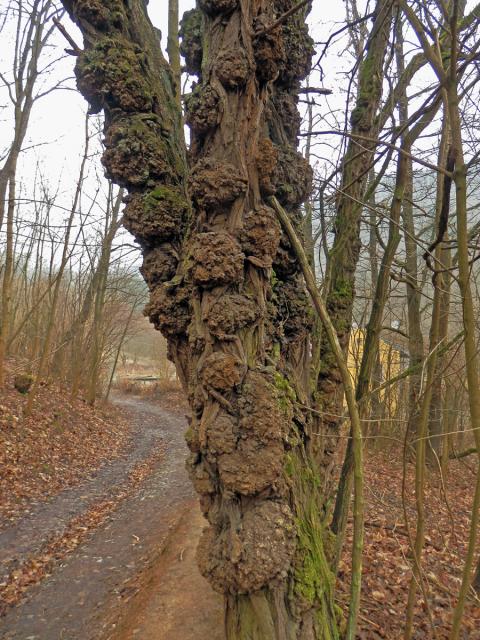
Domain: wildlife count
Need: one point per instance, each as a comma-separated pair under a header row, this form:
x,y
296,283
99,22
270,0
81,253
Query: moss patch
x,y
159,215
313,583
191,34
285,393
112,73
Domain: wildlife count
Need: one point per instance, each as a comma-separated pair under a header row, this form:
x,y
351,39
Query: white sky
x,y
55,136
56,126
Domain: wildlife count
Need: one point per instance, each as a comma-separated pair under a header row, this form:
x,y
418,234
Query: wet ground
x,y
135,576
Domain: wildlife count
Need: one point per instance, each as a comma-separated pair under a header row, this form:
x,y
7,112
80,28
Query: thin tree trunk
x,y
450,81
435,427
308,220
31,38
119,350
442,205
414,322
469,316
5,318
102,279
173,47
372,337
341,268
376,406
50,325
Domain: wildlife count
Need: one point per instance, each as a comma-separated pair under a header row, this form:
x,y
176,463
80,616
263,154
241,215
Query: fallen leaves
x,y
61,443
32,570
387,555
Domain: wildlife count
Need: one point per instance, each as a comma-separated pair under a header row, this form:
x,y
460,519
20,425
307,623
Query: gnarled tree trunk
x,y
225,285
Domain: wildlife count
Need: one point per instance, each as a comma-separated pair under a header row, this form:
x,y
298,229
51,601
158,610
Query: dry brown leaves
x,y
61,443
388,559
32,570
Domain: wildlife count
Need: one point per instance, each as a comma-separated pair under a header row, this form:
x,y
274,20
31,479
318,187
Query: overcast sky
x,y
54,142
56,130
57,121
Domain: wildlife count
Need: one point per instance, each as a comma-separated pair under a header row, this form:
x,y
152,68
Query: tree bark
x,y
225,284
5,318
436,440
173,48
376,412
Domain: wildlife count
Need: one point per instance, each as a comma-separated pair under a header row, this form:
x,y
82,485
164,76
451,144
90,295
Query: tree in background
x,y
33,30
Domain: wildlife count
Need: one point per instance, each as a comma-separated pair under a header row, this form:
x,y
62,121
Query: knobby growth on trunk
x,y
226,288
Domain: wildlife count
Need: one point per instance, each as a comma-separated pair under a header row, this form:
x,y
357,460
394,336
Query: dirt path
x,y
175,602
47,519
117,572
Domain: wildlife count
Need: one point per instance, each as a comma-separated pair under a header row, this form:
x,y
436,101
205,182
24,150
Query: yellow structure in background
x,y
393,359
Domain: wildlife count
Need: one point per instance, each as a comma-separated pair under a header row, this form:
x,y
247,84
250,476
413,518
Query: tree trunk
x,y
50,323
101,276
414,320
32,35
469,314
5,318
118,351
435,426
442,206
372,335
376,411
237,330
357,162
173,49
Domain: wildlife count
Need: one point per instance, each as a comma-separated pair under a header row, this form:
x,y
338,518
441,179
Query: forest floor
x,y
387,557
60,444
74,566
112,557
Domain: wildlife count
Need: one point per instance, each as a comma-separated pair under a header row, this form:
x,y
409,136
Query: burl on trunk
x,y
225,286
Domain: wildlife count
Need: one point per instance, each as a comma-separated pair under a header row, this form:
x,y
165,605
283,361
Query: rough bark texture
x,y
225,285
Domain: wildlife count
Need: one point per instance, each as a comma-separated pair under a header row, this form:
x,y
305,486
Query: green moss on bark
x,y
313,583
111,73
159,215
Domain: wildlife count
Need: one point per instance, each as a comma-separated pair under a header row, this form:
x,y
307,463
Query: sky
x,y
56,127
54,142
55,137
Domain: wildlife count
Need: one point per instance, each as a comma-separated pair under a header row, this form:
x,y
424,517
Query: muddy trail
x,y
135,575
